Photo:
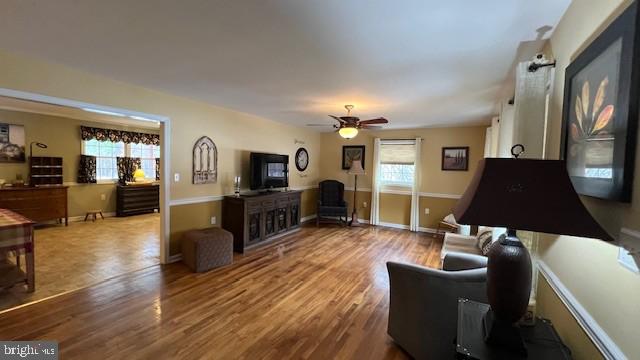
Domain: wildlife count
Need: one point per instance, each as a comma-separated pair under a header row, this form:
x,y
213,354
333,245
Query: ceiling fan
x,y
348,126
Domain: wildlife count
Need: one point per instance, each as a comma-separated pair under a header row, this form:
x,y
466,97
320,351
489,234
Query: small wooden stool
x,y
94,215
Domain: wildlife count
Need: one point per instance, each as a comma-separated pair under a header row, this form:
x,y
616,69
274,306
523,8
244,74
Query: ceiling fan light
x,y
348,132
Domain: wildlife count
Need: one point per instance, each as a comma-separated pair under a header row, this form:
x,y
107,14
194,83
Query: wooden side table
x,y
541,340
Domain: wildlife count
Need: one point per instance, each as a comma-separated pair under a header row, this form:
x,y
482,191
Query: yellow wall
x,y
589,268
395,208
235,133
62,136
551,307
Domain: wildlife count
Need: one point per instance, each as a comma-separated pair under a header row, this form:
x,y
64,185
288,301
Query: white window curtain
x,y
414,224
375,188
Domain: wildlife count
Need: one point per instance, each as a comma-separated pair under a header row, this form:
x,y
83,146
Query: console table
x,y
255,219
41,203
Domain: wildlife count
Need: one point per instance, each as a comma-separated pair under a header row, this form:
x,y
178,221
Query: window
x,y
147,155
396,174
397,163
106,153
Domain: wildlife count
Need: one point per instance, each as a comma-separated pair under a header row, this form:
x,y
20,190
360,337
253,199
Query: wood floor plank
x,y
321,293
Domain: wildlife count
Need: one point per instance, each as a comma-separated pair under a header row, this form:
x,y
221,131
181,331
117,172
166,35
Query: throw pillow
x,y
485,241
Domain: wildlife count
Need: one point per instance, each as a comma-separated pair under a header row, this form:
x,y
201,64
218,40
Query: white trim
x,y
441,196
209,198
427,230
308,218
174,258
408,192
396,192
350,188
601,340
196,200
395,226
165,151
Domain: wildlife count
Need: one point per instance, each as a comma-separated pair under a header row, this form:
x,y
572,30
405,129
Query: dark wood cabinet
x,y
137,199
256,219
36,203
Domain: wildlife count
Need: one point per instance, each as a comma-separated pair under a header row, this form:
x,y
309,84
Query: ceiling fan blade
x,y
337,118
370,127
379,120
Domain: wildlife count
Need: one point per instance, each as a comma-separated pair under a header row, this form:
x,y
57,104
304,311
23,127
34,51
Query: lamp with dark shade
x,y
520,194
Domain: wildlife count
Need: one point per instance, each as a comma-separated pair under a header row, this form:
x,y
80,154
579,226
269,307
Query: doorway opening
x,y
87,158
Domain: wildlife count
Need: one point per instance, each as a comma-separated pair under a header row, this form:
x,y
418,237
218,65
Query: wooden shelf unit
x,y
45,170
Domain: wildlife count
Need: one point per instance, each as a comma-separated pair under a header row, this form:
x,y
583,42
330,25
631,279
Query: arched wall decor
x,y
205,161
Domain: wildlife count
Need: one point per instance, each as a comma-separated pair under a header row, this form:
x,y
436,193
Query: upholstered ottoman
x,y
206,249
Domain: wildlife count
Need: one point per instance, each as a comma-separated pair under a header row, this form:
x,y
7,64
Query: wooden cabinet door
x,y
255,225
294,214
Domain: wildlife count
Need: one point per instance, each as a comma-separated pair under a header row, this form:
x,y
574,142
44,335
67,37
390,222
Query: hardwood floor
x,y
85,253
321,293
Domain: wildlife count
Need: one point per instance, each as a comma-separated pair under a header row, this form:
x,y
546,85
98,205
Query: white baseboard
x,y
600,338
308,218
175,258
392,225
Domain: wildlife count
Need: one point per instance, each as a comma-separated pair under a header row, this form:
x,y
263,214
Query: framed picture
x,y
12,143
455,158
600,112
350,153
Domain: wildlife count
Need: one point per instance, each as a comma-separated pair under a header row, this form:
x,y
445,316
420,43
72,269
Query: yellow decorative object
x,y
348,132
138,175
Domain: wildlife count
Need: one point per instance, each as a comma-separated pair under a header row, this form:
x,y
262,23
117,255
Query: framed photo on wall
x,y
350,153
12,143
600,112
455,158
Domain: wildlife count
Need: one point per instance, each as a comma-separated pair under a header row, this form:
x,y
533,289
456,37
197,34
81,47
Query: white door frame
x,y
165,151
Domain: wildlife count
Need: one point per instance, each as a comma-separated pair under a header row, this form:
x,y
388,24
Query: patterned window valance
x,y
127,137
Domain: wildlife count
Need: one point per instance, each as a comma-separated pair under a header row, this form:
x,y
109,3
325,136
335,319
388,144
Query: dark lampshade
x,y
526,194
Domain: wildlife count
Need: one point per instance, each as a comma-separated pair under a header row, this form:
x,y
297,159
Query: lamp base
x,y
354,220
503,334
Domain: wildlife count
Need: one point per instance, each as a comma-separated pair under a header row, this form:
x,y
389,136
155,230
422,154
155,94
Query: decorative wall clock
x,y
302,159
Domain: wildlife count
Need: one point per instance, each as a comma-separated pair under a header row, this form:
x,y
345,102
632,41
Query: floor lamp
x,y
356,169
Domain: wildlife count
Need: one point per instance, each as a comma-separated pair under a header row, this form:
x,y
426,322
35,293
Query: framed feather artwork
x,y
600,112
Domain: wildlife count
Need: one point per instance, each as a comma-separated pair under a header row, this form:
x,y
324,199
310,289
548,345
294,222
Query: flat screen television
x,y
269,171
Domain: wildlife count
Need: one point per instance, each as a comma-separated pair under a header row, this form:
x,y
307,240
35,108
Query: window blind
x,y
397,153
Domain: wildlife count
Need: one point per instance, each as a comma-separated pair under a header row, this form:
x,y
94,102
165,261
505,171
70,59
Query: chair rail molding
x,y
601,340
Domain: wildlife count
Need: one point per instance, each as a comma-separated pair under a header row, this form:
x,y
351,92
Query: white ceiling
x,y
418,63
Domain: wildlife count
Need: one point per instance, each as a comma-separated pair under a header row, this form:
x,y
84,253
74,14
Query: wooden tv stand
x,y
257,219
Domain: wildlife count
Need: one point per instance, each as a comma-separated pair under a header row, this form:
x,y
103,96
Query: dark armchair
x,y
331,202
423,308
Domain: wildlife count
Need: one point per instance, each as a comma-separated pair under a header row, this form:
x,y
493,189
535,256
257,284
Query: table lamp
x,y
520,194
355,169
138,175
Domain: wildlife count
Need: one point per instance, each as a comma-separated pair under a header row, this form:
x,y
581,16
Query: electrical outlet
x,y
213,220
364,204
103,197
426,211
176,177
